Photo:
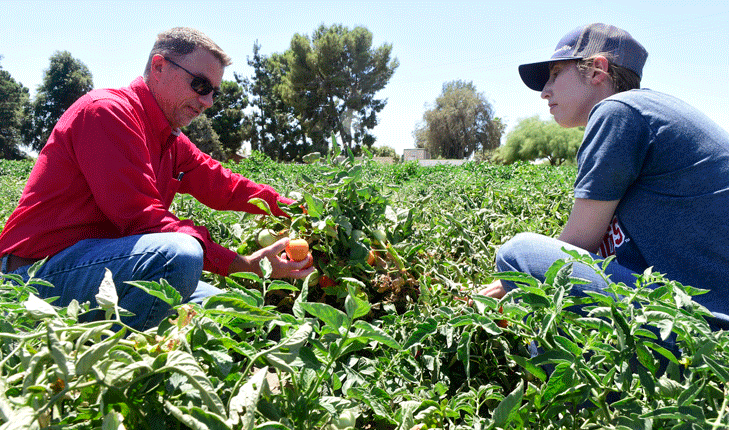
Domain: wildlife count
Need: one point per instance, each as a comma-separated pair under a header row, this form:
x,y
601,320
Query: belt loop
x,y
4,268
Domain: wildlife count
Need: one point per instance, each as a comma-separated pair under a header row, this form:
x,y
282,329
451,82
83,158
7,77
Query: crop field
x,y
383,335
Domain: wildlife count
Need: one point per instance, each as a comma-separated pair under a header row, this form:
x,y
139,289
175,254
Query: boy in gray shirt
x,y
652,185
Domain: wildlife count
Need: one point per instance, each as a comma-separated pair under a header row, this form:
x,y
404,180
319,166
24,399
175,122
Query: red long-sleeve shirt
x,y
110,170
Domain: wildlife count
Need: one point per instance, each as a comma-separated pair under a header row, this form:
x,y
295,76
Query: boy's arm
x,y
588,223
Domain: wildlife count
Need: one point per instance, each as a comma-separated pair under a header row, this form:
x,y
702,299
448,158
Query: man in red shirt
x,y
99,194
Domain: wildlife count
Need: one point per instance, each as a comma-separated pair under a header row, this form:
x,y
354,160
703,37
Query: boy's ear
x,y
600,67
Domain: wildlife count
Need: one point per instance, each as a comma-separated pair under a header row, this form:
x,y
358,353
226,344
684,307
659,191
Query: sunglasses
x,y
199,84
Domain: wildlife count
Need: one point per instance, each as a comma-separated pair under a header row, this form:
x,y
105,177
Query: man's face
x,y
170,85
569,95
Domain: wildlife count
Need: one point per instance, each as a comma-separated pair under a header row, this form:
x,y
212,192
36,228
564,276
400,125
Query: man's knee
x,y
184,259
185,247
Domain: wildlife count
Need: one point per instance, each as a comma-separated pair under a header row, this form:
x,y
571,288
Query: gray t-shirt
x,y
668,164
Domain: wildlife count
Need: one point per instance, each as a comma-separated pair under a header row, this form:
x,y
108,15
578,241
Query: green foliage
x,y
13,97
65,80
331,82
274,130
201,133
226,116
460,123
283,354
534,139
383,151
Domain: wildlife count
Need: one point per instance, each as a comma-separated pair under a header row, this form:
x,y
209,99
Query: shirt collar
x,y
154,112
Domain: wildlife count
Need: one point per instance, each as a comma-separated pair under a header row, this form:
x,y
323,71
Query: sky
x,y
435,42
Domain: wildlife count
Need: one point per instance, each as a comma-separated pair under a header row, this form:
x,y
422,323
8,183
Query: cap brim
x,y
536,75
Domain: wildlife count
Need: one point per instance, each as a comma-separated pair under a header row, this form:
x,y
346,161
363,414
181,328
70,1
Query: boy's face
x,y
569,94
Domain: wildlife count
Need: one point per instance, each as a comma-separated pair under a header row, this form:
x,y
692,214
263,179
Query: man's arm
x,y
588,223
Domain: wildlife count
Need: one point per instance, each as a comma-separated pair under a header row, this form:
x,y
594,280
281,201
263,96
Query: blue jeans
x,y
533,254
77,271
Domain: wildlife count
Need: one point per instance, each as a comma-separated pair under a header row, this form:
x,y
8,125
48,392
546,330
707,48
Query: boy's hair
x,y
623,79
180,41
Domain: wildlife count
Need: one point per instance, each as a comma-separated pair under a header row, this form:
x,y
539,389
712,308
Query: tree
x,y
331,82
200,131
534,139
460,123
273,128
13,98
226,116
64,82
383,151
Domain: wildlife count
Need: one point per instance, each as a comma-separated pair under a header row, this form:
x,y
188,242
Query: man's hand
x,y
281,265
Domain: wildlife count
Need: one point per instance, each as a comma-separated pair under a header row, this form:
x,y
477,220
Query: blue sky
x,y
435,42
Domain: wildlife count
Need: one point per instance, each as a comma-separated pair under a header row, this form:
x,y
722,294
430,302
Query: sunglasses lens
x,y
201,86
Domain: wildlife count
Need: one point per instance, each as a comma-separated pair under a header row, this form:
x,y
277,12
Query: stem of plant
x,y
724,405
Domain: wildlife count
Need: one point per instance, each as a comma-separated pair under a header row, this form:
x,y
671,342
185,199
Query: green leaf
x,y
163,291
314,206
197,418
482,321
375,333
536,300
38,308
246,275
530,367
355,307
568,346
266,267
623,329
113,421
58,353
107,297
464,353
261,204
186,365
301,298
243,405
519,278
287,350
228,304
508,407
422,331
561,379
685,413
271,425
281,285
331,316
719,370
647,380
96,352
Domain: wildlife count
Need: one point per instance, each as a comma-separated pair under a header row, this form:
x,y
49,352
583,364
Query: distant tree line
x,y
295,101
323,85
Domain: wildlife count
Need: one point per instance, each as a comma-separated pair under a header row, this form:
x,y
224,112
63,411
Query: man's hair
x,y
623,78
180,41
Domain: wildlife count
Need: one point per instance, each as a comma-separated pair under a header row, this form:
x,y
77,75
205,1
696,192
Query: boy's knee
x,y
510,252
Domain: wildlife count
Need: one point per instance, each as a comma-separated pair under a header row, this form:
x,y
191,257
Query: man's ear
x,y
156,65
600,67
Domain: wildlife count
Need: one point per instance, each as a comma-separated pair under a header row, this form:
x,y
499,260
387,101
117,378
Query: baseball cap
x,y
583,42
